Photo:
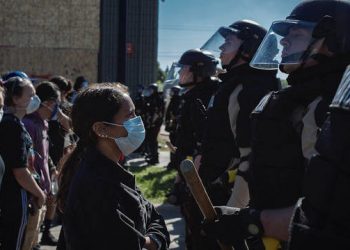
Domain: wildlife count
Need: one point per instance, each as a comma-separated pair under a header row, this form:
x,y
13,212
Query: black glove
x,y
234,225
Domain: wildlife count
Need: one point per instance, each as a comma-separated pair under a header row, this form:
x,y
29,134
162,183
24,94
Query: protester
x,y
102,207
20,100
80,83
37,126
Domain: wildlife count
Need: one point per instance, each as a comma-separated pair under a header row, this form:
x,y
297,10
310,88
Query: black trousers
x,y
151,142
13,221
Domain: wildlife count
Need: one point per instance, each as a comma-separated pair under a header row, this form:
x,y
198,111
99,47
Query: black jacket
x,y
219,144
153,111
278,164
105,210
192,118
321,219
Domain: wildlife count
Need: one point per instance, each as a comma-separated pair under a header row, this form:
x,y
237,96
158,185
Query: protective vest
x,y
321,219
192,118
277,163
219,144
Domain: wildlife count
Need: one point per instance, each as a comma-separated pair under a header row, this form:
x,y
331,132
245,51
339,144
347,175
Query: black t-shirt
x,y
2,170
15,148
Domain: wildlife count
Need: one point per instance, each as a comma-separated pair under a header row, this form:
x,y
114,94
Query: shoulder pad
x,y
342,97
263,103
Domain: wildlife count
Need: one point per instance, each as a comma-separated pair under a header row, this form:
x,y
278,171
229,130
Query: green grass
x,y
154,182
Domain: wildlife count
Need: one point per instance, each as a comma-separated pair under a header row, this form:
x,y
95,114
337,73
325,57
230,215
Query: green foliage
x,y
160,74
154,182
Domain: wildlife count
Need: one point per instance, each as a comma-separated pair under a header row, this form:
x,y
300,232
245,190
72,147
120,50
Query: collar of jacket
x,y
322,79
244,70
108,169
206,84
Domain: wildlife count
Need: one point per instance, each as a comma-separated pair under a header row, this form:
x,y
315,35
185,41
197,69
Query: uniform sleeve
x,y
248,99
14,151
185,138
234,109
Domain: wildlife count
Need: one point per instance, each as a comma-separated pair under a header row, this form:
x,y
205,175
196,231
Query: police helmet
x,y
249,32
323,19
202,63
175,90
150,90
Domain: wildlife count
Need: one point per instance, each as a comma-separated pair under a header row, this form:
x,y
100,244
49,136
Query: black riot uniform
x,y
321,219
287,123
285,128
192,118
153,112
171,120
228,127
194,102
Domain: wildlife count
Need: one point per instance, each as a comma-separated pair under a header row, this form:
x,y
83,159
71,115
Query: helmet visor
x,y
287,42
219,39
173,72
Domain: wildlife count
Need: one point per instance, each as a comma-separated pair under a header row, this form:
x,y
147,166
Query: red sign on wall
x,y
129,49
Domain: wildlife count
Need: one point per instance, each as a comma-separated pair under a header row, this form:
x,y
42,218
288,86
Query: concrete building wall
x,y
47,37
142,39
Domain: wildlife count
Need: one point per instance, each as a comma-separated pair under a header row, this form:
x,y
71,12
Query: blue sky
x,y
187,24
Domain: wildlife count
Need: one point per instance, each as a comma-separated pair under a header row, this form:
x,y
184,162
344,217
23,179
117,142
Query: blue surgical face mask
x,y
135,137
54,111
33,105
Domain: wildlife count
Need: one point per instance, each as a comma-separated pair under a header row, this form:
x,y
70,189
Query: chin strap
x,y
303,56
189,84
235,59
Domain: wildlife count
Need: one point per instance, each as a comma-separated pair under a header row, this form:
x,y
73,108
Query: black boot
x,y
47,238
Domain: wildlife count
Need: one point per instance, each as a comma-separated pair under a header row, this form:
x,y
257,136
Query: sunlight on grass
x,y
154,182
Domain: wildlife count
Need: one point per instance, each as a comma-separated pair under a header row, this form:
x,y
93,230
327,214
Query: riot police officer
x,y
171,119
227,136
153,113
315,41
197,68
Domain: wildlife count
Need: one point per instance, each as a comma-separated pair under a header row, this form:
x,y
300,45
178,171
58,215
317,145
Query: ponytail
x,y
67,173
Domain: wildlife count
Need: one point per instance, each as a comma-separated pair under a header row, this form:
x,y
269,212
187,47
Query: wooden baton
x,y
199,193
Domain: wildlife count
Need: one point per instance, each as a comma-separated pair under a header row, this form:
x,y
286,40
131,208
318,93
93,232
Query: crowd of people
x,y
272,157
48,172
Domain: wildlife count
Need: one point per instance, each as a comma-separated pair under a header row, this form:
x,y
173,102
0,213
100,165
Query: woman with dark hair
x,y
16,150
102,207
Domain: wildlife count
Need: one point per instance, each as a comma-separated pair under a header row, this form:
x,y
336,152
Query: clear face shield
x,y
288,42
173,72
224,44
184,73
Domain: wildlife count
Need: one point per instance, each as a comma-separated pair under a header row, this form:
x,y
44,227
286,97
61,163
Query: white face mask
x,y
136,135
33,105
